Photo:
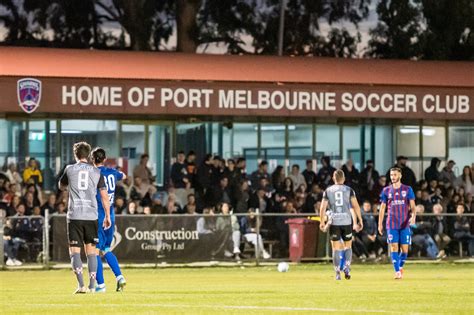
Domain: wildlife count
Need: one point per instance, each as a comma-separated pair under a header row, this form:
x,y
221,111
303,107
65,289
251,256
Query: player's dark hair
x,y
81,150
98,155
396,169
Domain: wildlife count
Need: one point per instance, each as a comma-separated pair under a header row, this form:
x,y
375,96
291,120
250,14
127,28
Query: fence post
x,y
2,254
257,230
46,240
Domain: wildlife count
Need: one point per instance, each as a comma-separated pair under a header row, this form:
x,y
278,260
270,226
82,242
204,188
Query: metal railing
x,y
45,257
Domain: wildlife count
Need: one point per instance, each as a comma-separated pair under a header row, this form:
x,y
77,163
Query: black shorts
x,y
80,232
338,232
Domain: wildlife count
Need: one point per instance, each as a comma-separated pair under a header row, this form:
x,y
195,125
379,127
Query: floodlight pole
x,y
46,240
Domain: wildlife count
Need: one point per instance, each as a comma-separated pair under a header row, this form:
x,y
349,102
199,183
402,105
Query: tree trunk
x,y
186,12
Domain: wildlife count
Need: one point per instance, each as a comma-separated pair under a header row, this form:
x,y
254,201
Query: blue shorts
x,y
105,237
402,236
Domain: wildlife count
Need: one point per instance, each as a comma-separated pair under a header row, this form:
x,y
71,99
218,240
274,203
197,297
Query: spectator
x,y
218,194
172,205
326,172
143,172
191,168
11,244
234,178
190,207
147,210
439,230
259,200
32,174
312,199
61,208
432,173
122,189
141,192
262,172
14,177
426,201
352,175
132,208
242,197
229,223
437,196
179,172
248,228
179,178
297,178
218,167
278,176
374,194
37,194
204,174
309,175
408,176
241,166
29,203
421,237
447,176
368,179
120,206
287,190
368,235
49,204
462,229
466,180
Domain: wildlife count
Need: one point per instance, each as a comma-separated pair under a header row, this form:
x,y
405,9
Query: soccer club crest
x,y
29,94
404,194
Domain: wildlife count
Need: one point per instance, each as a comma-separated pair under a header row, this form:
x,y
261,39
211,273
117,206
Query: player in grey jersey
x,y
82,181
342,202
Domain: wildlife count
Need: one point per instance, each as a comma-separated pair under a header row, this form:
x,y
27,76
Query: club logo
x,y
404,194
117,239
29,94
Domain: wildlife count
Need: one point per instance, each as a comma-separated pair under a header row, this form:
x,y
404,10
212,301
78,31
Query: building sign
x,y
29,94
81,96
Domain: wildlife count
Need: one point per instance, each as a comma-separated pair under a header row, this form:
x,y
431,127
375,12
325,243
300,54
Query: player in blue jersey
x,y
398,199
111,177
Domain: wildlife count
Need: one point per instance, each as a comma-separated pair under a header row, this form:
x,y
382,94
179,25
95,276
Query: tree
x,y
399,32
450,29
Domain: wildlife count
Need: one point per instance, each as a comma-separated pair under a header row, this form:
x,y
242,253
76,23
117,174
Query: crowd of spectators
x,y
205,187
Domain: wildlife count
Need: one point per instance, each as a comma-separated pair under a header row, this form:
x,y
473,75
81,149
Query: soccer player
x,y
341,200
111,177
82,181
398,199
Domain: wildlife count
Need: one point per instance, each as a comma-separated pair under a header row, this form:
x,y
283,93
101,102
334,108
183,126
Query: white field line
x,y
227,307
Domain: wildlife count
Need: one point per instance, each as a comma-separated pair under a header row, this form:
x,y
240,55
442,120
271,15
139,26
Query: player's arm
x,y
413,212
104,197
411,197
383,205
63,181
322,214
356,209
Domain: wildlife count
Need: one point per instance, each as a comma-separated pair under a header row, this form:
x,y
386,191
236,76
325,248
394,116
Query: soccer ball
x,y
283,267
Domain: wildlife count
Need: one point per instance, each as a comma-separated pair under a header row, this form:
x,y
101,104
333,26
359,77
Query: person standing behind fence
x,y
111,177
82,181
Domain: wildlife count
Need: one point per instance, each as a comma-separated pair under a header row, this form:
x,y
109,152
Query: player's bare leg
x,y
395,260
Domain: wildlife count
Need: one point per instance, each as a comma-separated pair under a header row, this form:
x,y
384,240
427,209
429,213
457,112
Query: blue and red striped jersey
x,y
398,206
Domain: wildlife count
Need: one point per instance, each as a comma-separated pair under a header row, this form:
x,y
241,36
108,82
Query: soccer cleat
x,y
338,275
398,275
347,275
82,290
121,284
100,289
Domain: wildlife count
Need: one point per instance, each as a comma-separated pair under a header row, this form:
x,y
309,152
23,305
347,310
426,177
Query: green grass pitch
x,y
307,288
